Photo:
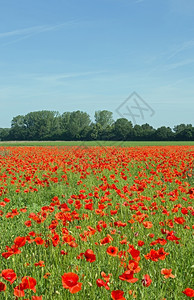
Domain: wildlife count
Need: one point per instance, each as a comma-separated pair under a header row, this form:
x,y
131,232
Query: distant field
x,y
96,143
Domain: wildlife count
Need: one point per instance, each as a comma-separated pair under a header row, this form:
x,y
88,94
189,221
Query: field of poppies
x,y
96,222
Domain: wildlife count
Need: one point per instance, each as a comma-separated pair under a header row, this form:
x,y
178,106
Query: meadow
x,y
97,143
95,221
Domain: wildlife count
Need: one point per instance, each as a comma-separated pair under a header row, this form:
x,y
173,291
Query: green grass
x,y
96,143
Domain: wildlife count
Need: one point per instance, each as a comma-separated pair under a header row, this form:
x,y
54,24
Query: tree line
x,y
77,125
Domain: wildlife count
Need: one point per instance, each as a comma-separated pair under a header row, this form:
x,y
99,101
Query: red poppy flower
x,y
128,276
179,220
146,281
184,211
9,275
134,252
171,237
28,223
6,200
18,292
117,295
167,273
70,282
38,240
40,264
151,235
106,277
113,212
158,241
112,251
63,252
101,283
20,241
2,287
24,209
140,243
89,206
162,254
11,251
147,224
46,275
154,255
133,266
106,240
90,256
28,283
188,292
55,240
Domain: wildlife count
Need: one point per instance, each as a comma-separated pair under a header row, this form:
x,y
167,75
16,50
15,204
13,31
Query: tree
x,y
181,127
108,133
18,128
164,134
78,125
40,125
64,125
185,135
96,131
148,132
183,132
104,118
137,132
4,134
122,129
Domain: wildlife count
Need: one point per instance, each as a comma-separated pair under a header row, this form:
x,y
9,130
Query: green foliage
x,y
104,118
123,129
77,126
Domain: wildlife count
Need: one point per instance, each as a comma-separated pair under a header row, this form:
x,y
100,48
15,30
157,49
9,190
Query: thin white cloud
x,y
61,76
180,64
176,49
33,30
186,45
25,33
34,84
166,57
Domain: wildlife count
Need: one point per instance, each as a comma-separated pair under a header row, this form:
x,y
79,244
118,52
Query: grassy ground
x,y
95,143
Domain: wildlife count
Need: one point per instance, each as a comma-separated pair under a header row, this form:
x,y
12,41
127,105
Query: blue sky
x,y
93,54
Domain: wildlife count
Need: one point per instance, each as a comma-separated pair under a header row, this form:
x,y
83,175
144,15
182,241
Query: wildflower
x,y
70,282
146,281
140,243
128,276
90,256
167,273
112,251
40,264
27,283
9,275
20,241
101,283
117,295
2,287
46,275
189,292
